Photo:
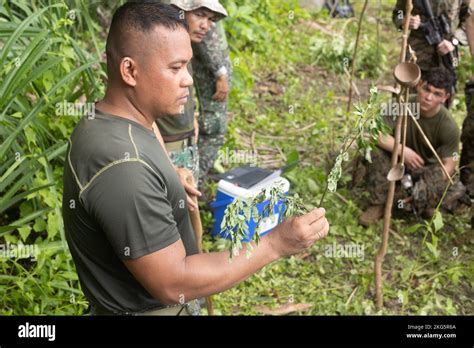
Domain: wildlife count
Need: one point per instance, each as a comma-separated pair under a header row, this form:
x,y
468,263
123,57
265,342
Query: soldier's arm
x,y
170,275
398,14
450,165
412,159
386,142
470,33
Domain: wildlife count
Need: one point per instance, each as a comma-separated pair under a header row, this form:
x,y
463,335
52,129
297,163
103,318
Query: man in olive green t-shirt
x,y
125,211
429,180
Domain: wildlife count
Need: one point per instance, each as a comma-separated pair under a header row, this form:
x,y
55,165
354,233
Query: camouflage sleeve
x,y
213,51
398,13
467,9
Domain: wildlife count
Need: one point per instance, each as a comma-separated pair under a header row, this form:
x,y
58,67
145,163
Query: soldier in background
x,y
460,21
428,180
212,78
467,154
180,132
451,15
467,134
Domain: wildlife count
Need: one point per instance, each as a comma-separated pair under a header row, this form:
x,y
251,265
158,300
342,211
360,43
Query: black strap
x,y
177,137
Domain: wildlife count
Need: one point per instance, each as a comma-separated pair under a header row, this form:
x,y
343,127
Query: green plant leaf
x,y
24,232
438,221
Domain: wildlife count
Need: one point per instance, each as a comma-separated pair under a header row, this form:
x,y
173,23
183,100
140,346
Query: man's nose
x,y
187,80
205,24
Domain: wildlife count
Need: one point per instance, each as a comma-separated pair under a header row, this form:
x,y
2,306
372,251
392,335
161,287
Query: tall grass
x,y
50,53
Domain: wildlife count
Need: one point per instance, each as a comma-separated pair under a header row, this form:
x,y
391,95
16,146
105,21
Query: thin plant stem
x,y
359,29
412,273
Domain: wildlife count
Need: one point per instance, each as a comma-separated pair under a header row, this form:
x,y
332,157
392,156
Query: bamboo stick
x,y
391,189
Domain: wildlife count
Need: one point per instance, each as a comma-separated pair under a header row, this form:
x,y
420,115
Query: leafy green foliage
x,y
269,43
44,61
238,214
335,53
416,282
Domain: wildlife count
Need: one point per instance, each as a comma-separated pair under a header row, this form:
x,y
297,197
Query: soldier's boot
x,y
455,196
371,215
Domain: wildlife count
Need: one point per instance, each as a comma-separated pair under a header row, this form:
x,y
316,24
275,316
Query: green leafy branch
x,y
235,221
365,134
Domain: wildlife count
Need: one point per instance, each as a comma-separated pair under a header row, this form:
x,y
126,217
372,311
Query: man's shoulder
x,y
446,125
96,137
446,118
98,144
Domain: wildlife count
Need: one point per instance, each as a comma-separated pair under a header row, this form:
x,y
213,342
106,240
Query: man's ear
x,y
128,71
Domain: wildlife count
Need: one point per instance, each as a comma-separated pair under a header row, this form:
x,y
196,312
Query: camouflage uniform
x,y
428,185
186,157
211,60
178,134
185,152
467,154
456,12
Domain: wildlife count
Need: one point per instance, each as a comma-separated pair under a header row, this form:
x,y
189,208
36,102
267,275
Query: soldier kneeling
x,y
424,182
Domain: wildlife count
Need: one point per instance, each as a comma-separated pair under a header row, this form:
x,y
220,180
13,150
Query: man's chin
x,y
197,39
172,112
179,110
425,109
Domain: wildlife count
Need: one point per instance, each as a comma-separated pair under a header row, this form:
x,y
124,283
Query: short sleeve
x,y
450,137
129,203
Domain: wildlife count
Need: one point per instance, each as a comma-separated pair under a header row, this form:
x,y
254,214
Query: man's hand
x,y
187,179
415,22
445,47
299,233
222,89
412,159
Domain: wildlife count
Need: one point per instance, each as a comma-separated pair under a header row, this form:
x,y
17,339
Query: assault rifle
x,y
435,29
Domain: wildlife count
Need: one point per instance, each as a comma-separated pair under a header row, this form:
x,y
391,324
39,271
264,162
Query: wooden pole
x,y
391,189
197,227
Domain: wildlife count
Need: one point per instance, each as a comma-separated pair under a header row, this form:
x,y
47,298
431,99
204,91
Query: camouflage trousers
x,y
467,154
185,156
428,185
212,119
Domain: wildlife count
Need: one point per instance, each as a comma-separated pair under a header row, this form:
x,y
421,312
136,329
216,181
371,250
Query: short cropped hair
x,y
138,17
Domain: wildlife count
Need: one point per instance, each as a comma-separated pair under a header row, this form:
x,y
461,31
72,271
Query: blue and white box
x,y
227,192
